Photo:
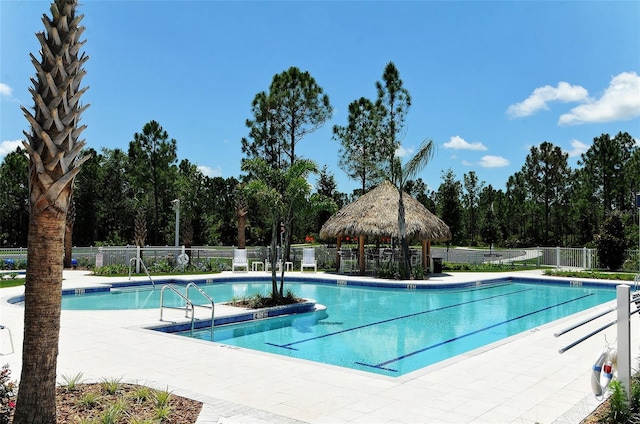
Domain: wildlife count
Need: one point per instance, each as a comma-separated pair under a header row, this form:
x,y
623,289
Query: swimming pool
x,y
388,331
394,332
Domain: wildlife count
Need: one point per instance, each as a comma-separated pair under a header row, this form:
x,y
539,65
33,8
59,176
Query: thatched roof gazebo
x,y
375,214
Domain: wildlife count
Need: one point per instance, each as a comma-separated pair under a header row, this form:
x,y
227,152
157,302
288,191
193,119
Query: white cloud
x,y
467,163
490,161
5,90
577,148
402,152
620,101
459,143
538,100
210,172
9,146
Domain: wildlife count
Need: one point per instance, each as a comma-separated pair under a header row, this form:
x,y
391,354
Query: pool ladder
x,y
635,294
189,306
143,267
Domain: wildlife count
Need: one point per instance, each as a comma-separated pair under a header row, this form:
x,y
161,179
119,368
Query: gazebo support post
x,y
426,255
361,260
338,245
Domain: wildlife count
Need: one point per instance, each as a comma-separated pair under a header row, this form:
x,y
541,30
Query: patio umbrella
x,y
375,214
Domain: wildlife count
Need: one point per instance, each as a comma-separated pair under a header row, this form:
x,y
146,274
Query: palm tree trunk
x,y
242,225
43,295
286,248
68,235
273,258
55,160
402,229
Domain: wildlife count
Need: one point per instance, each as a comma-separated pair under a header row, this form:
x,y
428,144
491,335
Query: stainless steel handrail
x,y
143,267
594,332
206,296
187,304
583,322
636,282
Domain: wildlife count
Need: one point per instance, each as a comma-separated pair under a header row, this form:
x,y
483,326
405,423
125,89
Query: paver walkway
x,y
522,379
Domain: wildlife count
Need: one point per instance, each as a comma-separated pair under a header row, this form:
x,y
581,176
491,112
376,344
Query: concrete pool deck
x,y
522,379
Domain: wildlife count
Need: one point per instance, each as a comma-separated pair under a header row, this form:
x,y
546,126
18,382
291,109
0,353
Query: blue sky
x,y
488,80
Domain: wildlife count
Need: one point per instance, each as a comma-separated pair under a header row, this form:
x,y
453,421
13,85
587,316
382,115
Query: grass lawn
x,y
11,282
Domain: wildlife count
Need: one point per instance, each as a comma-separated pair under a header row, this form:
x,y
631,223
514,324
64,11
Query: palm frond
x,y
418,161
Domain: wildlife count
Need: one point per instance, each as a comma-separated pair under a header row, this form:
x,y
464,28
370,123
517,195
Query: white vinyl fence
x,y
559,257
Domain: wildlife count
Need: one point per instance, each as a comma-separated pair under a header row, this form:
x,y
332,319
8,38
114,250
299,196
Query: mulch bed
x,y
70,408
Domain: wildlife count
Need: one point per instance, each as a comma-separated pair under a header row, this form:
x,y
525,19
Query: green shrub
x,y
85,262
162,266
89,400
591,274
418,272
70,382
111,385
610,242
259,300
403,271
618,411
162,398
112,414
215,265
141,394
162,412
635,393
388,270
482,267
115,269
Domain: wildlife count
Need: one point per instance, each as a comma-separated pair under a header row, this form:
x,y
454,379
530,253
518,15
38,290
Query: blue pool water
x,y
380,330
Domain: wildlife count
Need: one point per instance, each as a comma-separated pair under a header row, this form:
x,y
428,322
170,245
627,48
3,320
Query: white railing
x,y
559,257
623,343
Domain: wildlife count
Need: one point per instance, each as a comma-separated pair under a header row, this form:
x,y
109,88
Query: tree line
x,y
127,197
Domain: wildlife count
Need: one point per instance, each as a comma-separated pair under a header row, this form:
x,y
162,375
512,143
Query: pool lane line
x,y
346,330
381,365
484,286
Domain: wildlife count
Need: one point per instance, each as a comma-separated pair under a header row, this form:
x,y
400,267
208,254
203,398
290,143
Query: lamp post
x,y
176,205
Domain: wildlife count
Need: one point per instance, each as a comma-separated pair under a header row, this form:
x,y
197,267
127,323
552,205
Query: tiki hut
x,y
375,214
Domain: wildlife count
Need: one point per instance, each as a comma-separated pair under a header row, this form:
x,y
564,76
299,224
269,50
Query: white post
x,y
557,256
138,260
624,336
176,204
638,208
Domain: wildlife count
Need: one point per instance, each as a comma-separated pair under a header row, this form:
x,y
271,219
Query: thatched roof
x,y
376,214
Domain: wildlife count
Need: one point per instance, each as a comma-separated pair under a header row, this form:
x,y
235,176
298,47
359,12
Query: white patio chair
x,y
239,260
2,327
309,259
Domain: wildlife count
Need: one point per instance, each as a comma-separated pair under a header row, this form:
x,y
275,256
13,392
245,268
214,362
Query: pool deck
x,y
522,379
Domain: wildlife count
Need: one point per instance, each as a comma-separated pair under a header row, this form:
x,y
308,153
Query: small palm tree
x,y
399,175
55,159
279,191
140,228
242,210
